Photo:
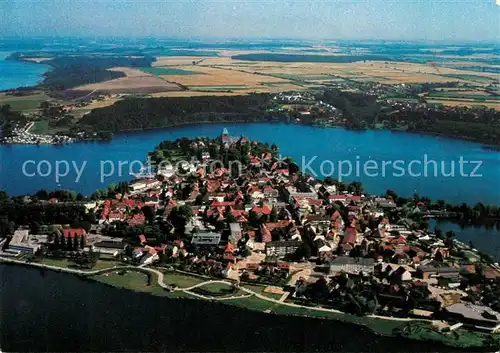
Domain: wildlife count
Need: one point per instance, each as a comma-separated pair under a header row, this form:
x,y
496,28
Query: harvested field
x,y
210,76
79,112
195,94
380,71
135,82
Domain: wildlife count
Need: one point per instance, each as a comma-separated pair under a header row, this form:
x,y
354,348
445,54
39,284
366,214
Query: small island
x,y
229,220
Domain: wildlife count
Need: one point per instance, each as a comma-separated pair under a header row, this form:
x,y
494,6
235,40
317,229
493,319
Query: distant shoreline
x,y
485,145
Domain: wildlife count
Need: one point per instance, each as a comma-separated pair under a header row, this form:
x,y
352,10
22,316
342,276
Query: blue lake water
x,y
14,74
301,142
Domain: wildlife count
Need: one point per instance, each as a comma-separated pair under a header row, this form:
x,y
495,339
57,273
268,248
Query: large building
x,y
474,316
281,248
24,242
352,265
205,238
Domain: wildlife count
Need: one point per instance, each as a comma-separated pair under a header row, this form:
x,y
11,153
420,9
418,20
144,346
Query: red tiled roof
x,y
266,234
280,224
252,266
216,203
337,197
73,232
284,265
262,210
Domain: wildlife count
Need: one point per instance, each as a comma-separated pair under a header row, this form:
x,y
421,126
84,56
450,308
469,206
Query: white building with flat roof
x,y
27,243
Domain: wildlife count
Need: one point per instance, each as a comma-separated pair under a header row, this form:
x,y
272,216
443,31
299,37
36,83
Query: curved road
x,y
160,279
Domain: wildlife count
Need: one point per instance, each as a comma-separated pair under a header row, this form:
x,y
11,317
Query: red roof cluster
x,y
74,232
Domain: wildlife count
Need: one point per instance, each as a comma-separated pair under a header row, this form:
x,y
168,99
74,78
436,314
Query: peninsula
x,y
229,220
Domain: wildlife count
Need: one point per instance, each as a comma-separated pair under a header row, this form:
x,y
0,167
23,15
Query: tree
x,y
180,215
35,228
149,213
303,251
3,195
448,242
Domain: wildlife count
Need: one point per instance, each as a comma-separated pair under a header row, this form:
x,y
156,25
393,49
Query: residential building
x,y
205,238
352,265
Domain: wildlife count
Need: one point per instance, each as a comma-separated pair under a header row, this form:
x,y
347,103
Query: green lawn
x,y
469,77
458,94
57,262
20,103
424,331
40,127
132,280
163,70
378,325
181,280
218,290
252,303
65,263
215,288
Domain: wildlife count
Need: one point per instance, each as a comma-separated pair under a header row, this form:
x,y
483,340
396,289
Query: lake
x,y
45,311
482,238
338,147
14,74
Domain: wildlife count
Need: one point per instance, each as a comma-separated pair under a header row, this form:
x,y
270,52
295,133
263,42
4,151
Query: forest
x,y
140,113
71,71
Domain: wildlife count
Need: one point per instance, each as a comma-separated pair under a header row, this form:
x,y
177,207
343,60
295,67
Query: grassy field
x,y
65,263
180,280
469,77
217,290
424,331
378,325
159,70
459,94
132,280
21,103
40,127
252,303
464,103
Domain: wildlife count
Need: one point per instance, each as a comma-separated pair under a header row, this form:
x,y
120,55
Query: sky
x,y
455,20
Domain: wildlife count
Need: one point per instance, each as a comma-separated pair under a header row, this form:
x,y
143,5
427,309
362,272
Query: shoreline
x,y
485,145
186,293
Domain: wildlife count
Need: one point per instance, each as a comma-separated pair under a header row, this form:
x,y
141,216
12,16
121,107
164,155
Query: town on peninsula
x,y
230,220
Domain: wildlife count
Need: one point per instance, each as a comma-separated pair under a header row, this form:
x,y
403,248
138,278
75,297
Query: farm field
x,y
181,76
24,103
136,81
476,95
160,70
465,103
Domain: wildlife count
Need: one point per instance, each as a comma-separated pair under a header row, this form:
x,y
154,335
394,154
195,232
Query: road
x,y
160,279
91,273
279,301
